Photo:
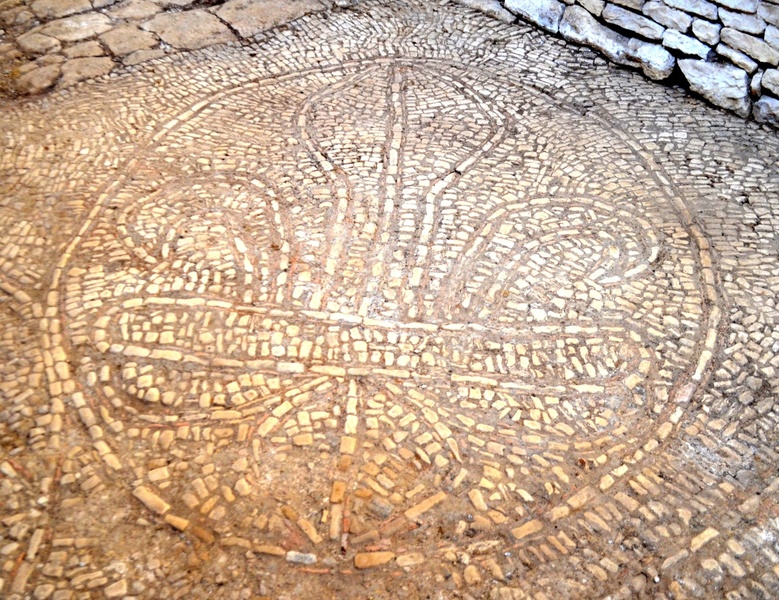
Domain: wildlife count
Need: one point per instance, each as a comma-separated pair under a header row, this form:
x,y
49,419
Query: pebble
x,y
300,558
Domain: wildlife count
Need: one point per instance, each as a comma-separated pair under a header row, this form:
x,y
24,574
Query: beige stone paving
x,y
399,302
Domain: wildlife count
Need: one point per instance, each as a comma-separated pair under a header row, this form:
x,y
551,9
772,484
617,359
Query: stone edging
x,y
726,50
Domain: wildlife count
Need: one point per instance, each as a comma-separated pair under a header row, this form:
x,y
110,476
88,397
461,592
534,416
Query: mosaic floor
x,y
398,302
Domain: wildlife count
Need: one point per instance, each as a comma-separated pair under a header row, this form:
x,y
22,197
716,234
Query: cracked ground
x,y
397,301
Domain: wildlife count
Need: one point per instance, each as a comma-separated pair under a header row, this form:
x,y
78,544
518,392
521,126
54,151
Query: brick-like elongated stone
x,y
367,560
151,500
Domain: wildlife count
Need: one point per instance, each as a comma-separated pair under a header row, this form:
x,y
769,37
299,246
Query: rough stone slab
x,y
141,56
250,17
581,27
655,61
706,32
747,6
746,23
491,8
634,4
594,6
78,69
769,12
754,47
771,36
737,58
578,25
696,7
128,38
37,43
771,80
685,44
665,15
544,13
766,110
135,9
77,28
91,48
190,30
38,80
722,85
55,9
634,22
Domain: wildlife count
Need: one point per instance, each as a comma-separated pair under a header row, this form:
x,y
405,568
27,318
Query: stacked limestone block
x,y
727,50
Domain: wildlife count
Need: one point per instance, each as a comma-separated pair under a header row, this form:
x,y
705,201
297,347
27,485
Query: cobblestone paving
x,y
400,302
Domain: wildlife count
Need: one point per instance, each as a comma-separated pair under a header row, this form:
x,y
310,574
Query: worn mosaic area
x,y
383,307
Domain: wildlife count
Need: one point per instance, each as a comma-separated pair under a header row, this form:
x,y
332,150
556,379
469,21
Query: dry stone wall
x,y
726,50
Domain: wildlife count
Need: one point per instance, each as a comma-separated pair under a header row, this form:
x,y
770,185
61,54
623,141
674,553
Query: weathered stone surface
x,y
665,15
249,17
634,4
769,12
723,85
655,61
706,32
754,47
91,48
746,23
142,56
492,8
685,44
771,80
581,27
771,36
544,13
696,7
135,9
37,43
54,9
128,38
766,110
190,30
38,80
747,6
77,28
634,22
737,58
79,69
594,6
